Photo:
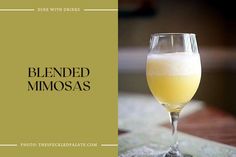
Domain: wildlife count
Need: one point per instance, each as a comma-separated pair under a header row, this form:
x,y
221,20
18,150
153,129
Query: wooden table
x,y
209,123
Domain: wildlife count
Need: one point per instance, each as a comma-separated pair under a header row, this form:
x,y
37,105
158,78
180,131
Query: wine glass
x,y
173,73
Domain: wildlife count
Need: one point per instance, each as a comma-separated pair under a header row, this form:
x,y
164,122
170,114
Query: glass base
x,y
170,155
173,152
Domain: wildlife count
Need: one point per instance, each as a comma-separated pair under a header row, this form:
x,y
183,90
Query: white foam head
x,y
179,63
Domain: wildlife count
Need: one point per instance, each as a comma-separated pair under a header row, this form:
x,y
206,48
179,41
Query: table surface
x,y
208,123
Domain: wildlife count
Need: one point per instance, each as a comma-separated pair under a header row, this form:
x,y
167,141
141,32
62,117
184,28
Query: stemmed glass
x,y
173,73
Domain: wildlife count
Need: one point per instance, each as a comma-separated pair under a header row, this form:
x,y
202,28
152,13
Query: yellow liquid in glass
x,y
169,85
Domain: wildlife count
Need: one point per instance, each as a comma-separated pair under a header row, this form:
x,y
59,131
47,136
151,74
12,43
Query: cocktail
x,y
173,73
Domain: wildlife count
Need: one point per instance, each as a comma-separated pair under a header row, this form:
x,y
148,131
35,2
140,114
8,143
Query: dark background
x,y
214,23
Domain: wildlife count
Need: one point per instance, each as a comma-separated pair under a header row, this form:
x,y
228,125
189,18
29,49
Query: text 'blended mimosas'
x,y
173,78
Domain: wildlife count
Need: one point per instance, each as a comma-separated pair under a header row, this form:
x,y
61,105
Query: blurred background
x,y
214,23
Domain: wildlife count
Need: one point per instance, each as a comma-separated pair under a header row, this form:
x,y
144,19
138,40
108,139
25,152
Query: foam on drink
x,y
179,63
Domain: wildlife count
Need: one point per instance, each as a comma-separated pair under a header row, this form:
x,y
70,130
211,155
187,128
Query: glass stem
x,y
174,117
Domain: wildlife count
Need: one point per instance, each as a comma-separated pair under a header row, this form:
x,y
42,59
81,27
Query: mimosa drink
x,y
173,78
